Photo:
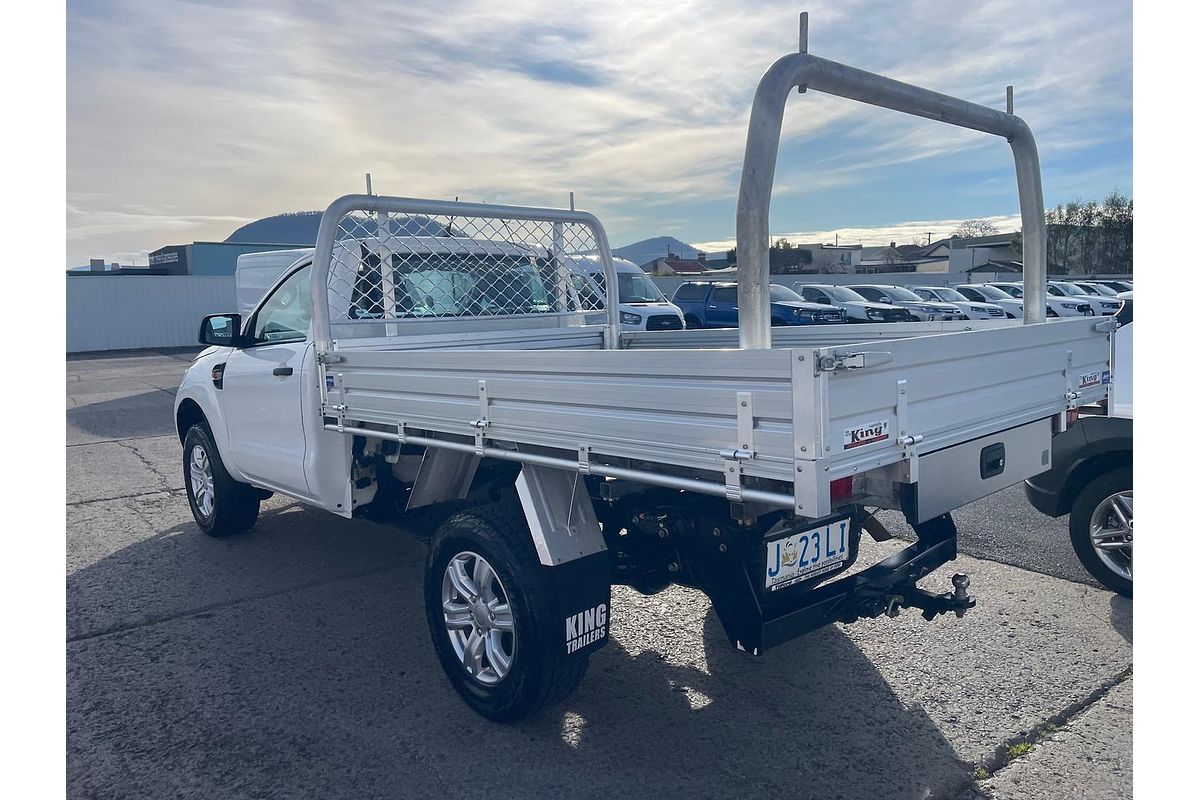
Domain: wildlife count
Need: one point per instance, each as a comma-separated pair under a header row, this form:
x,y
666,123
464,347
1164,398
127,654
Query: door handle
x,y
282,372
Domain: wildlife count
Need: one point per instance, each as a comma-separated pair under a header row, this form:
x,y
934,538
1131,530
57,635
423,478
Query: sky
x,y
187,119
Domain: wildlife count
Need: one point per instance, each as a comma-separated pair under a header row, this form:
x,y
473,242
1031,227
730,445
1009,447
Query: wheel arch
x,y
188,414
1088,470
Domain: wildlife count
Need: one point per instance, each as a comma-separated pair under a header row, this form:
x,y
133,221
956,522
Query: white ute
x,y
643,306
433,364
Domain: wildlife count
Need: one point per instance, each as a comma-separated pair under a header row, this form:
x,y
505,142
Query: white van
x,y
643,305
257,272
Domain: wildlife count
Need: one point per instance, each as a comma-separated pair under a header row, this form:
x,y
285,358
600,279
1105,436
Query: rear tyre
x,y
1102,529
490,606
220,505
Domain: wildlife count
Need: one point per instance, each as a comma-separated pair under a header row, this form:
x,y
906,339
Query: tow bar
x,y
932,604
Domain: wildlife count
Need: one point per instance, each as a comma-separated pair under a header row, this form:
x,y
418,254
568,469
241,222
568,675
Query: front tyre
x,y
1102,529
220,505
490,606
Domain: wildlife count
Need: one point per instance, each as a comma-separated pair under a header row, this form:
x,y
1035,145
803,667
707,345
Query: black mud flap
x,y
583,594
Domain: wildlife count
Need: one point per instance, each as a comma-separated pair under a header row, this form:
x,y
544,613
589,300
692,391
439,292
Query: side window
x,y
924,294
726,294
286,314
814,295
869,293
691,292
970,294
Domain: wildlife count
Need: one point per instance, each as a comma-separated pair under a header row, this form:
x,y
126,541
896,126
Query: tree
x,y
1088,238
784,258
975,227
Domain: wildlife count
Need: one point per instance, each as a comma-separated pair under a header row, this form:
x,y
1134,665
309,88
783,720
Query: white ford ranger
x,y
433,363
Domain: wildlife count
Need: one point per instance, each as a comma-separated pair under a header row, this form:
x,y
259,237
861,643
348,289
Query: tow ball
x,y
932,604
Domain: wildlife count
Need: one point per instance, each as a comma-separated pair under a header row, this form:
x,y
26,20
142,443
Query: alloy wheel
x,y
478,618
200,472
1111,531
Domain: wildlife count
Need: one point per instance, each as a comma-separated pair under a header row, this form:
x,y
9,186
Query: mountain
x,y
649,249
300,227
297,227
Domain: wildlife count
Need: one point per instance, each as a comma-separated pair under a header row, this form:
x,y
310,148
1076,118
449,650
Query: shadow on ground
x,y
295,661
141,415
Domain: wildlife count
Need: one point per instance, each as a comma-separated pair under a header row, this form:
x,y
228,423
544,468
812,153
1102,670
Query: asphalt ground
x,y
295,661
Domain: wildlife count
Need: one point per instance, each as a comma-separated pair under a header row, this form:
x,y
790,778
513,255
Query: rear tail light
x,y
840,489
1072,416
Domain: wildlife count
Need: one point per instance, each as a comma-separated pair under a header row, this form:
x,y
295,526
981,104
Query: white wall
x,y
123,312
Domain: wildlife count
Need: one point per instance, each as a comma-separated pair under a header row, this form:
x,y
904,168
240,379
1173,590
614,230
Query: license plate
x,y
807,554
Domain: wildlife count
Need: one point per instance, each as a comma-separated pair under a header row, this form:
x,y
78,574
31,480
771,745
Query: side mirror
x,y
222,330
883,298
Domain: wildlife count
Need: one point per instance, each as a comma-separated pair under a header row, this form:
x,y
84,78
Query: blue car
x,y
708,304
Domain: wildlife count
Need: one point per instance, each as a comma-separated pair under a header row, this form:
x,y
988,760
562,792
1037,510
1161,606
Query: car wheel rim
x,y
1111,531
478,618
200,473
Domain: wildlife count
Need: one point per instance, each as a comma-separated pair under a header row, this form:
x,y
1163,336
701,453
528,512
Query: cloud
x,y
186,118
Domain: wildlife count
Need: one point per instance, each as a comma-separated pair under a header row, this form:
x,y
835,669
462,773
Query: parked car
x,y
709,304
921,309
1058,302
1102,298
971,309
1014,307
1099,288
1091,477
643,305
1101,303
857,307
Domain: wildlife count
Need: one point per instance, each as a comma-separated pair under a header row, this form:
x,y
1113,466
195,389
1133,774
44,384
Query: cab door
x,y
263,391
722,310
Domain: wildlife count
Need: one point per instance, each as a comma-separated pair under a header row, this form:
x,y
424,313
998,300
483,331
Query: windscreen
x,y
633,288
782,294
991,292
845,295
900,293
949,295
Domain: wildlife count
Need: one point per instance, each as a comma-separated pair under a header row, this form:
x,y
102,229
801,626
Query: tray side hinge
x,y
481,425
734,458
904,437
